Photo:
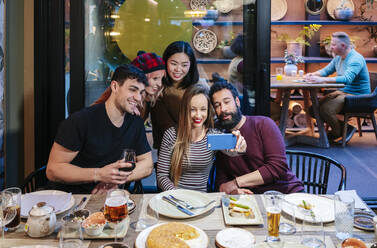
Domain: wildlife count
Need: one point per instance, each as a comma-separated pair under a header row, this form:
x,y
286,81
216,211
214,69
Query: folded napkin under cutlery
x,y
58,201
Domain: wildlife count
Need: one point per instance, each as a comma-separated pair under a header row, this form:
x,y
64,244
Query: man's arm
x,y
60,169
143,168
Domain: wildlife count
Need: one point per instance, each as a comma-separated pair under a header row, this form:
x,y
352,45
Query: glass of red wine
x,y
129,156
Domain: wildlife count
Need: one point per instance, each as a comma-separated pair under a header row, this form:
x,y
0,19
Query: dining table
x,y
310,92
211,222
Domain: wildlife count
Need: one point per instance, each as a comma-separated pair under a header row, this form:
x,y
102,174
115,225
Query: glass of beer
x,y
15,204
7,214
116,210
273,211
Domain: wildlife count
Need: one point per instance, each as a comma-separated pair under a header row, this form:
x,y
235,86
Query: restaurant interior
x,y
58,57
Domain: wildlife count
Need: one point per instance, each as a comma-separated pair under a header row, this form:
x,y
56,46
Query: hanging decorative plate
x,y
204,41
278,9
198,4
224,6
333,4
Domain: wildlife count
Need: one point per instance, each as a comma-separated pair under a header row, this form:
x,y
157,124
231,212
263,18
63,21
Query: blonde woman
x,y
184,160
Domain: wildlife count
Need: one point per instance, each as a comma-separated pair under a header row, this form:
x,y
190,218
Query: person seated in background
x,y
154,68
263,166
351,70
85,156
184,160
235,72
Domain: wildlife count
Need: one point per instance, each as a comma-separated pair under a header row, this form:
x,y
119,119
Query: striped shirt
x,y
195,169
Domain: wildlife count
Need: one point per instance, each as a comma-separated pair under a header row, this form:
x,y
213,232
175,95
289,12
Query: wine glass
x,y
129,156
7,212
116,210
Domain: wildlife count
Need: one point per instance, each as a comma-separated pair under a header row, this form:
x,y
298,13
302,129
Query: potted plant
x,y
291,61
224,45
295,45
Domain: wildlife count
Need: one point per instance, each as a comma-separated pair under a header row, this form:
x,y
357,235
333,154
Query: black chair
x,y
314,170
359,106
35,180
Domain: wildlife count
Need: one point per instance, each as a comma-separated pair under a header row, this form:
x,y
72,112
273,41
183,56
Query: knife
x,y
80,203
178,206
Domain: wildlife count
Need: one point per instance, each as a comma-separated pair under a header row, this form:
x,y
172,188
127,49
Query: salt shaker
x,y
301,73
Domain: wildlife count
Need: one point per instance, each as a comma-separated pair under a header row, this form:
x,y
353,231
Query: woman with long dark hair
x,y
181,72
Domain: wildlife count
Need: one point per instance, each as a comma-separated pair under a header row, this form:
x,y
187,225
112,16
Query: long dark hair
x,y
192,76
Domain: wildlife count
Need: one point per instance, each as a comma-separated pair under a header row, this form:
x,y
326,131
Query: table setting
x,y
211,220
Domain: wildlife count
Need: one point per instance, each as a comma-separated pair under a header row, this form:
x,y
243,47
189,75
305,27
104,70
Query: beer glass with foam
x,y
273,211
14,204
116,210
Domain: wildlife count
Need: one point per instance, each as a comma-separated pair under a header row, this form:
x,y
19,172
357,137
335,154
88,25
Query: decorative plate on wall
x,y
278,9
224,6
198,4
204,41
333,4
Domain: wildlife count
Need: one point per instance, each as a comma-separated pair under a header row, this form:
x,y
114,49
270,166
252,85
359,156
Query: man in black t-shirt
x,y
85,157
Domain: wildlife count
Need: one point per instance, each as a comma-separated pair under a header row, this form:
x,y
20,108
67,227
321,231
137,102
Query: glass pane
x,y
2,61
116,30
66,52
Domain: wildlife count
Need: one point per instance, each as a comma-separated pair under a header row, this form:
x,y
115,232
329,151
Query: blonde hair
x,y
182,143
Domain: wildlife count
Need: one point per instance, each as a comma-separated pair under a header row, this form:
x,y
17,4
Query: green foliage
x,y
307,32
225,43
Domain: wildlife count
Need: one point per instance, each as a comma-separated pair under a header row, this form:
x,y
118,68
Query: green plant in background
x,y
327,40
225,43
290,58
307,32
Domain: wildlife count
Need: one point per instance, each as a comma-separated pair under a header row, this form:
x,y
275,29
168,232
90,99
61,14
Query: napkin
x,y
59,202
359,204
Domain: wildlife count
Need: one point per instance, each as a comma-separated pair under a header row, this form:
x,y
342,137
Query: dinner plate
x,y
321,206
246,200
49,192
194,198
363,220
199,242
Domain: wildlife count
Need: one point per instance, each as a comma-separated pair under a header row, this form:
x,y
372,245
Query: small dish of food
x,y
353,243
94,224
241,210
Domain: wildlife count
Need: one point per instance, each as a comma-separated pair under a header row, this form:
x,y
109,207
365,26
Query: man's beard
x,y
231,123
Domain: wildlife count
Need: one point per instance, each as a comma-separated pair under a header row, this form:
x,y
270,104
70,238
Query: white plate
x,y
199,242
248,201
52,192
195,198
235,237
321,206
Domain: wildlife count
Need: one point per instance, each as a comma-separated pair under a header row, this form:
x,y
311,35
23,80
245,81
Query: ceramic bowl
x,y
94,230
353,242
344,14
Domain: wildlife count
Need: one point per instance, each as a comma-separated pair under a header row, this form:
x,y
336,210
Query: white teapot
x,y
41,221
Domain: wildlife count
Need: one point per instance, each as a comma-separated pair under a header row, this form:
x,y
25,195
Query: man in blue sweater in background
x,y
351,70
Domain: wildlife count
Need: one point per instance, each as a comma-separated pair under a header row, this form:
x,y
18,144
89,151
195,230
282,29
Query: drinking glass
x,y
312,234
148,217
344,213
279,73
129,156
116,210
71,234
14,203
293,73
273,210
285,227
7,213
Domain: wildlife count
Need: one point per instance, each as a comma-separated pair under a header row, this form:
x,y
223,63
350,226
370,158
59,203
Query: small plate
x,y
234,237
248,201
363,220
131,205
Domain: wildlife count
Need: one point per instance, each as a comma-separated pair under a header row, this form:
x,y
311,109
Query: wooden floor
x,y
359,157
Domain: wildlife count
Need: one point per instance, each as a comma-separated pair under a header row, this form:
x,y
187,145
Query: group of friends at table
x,y
85,156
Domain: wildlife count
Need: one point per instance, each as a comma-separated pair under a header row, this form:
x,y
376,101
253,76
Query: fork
x,y
189,206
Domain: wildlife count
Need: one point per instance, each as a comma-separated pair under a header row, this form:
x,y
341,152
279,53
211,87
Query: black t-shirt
x,y
99,142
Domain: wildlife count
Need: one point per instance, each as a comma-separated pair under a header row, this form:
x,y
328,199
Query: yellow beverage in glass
x,y
279,77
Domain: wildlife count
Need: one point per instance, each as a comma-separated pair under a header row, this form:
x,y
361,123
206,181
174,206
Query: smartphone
x,y
221,141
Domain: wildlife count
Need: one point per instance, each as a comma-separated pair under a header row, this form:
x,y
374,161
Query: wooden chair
x,y
314,169
34,181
